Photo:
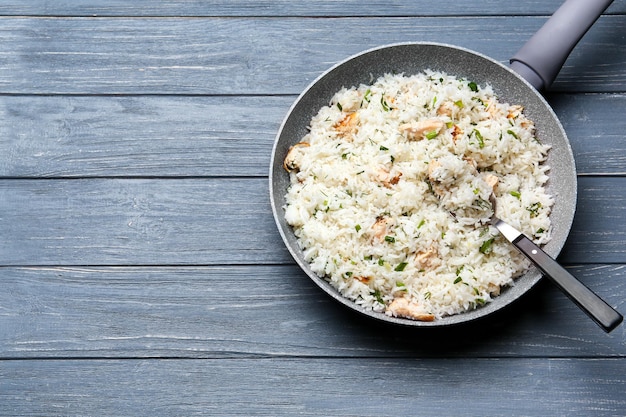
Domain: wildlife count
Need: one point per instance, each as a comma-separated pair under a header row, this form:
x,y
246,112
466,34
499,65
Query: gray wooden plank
x,y
253,55
281,8
95,136
595,127
314,387
210,221
137,221
595,222
138,136
269,311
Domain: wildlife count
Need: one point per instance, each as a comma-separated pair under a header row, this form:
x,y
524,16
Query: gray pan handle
x,y
541,58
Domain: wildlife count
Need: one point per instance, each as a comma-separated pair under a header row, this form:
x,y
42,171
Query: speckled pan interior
x,y
410,58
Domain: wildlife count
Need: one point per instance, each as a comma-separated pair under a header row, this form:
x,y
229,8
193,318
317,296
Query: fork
x,y
602,313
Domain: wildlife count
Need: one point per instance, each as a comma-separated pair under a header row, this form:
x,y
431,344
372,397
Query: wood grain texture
x,y
141,271
253,55
210,221
338,387
143,221
274,8
269,311
94,136
173,136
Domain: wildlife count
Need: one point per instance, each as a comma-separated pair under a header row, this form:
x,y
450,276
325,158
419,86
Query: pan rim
x,y
531,277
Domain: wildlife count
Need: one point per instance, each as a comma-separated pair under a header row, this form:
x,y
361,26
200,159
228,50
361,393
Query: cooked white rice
x,y
389,194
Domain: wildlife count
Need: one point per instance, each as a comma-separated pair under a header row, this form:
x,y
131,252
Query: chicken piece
x,y
294,157
432,166
386,178
347,125
401,307
382,227
364,279
427,259
494,290
514,112
456,133
471,162
491,181
527,124
445,109
493,110
423,129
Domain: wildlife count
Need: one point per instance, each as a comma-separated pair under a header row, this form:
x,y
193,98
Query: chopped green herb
x,y
381,262
358,227
393,158
516,194
431,135
378,296
390,239
540,231
349,274
368,257
384,104
479,136
427,295
486,246
422,223
459,104
534,209
383,148
457,280
367,95
339,107
400,266
473,86
349,192
430,186
480,301
510,132
482,203
345,155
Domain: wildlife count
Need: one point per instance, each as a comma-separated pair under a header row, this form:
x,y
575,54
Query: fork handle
x,y
595,307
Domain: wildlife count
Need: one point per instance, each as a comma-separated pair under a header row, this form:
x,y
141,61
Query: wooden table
x,y
142,273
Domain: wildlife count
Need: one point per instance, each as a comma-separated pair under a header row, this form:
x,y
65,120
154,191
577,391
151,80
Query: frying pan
x,y
532,69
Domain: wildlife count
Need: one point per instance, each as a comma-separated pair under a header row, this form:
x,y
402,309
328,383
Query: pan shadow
x,y
493,335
